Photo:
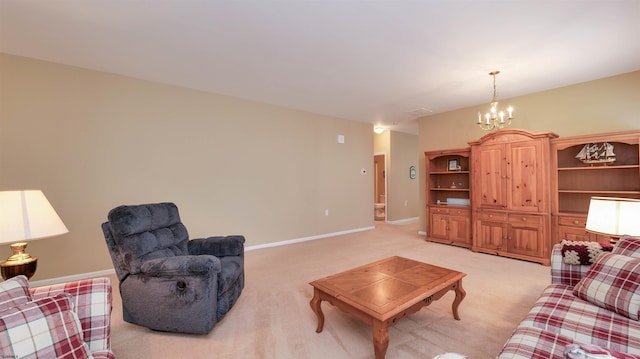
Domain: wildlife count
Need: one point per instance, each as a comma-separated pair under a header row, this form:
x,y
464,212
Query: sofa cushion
x,y
45,328
532,342
628,246
91,299
559,311
14,291
613,283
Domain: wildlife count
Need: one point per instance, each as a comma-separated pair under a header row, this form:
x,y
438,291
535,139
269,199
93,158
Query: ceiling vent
x,y
419,112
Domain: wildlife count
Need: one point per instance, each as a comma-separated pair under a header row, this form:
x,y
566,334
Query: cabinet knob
x,y
524,219
575,221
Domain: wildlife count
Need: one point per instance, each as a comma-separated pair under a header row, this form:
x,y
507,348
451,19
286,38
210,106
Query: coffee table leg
x,y
317,308
460,294
380,338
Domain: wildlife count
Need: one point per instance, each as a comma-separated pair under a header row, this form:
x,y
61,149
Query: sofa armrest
x,y
92,301
218,246
180,266
563,273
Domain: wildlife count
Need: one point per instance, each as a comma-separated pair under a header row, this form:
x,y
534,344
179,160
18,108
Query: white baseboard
x,y
422,233
304,239
71,278
108,272
405,220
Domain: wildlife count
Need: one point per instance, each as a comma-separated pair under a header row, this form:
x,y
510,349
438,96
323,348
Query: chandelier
x,y
495,119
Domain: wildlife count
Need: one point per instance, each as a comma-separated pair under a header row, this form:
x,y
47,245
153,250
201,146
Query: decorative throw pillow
x,y
45,328
14,291
577,252
613,283
628,246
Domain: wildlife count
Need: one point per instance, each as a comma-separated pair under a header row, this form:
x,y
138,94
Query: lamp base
x,y
19,263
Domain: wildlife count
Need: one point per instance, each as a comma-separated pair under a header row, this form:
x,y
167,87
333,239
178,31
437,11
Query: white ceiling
x,y
364,60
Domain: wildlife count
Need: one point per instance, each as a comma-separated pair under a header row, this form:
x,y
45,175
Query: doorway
x,y
379,187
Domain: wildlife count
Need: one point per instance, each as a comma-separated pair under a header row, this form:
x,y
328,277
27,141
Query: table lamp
x,y
24,216
614,217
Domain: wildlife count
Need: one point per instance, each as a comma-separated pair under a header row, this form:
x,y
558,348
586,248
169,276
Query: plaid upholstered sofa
x,y
67,320
587,309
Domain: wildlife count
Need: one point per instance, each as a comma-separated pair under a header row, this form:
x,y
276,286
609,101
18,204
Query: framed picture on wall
x,y
453,165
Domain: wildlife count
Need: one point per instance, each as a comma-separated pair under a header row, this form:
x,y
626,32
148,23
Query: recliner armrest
x,y
181,265
218,246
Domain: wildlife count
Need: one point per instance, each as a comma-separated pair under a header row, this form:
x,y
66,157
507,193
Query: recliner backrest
x,y
143,232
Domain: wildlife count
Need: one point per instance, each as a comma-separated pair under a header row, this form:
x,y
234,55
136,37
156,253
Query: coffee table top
x,y
384,288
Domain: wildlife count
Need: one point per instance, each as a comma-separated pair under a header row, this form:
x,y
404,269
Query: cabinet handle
x,y
524,219
576,221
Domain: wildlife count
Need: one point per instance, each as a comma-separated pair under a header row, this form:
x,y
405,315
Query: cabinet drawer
x,y
491,216
459,212
580,222
525,218
439,210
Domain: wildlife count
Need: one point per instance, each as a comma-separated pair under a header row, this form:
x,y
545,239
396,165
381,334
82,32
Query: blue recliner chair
x,y
168,282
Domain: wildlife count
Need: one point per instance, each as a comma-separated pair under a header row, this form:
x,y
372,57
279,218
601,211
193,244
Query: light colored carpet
x,y
273,319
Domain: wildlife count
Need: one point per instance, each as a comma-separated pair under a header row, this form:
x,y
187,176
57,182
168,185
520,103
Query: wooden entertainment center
x,y
515,193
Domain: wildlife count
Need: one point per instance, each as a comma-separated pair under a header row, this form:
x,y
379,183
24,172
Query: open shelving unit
x,y
448,199
575,181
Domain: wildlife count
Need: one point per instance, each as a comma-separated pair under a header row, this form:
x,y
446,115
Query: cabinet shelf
x,y
451,189
597,168
599,192
448,172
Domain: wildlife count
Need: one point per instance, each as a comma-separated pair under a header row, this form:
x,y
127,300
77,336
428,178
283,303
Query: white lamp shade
x,y
27,215
614,216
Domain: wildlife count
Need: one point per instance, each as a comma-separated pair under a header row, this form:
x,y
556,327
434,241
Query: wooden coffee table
x,y
383,292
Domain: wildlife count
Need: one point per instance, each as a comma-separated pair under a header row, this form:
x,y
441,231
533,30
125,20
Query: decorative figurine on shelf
x,y
597,153
453,185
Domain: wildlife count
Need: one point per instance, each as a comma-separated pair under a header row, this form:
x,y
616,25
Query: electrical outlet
x,y
326,212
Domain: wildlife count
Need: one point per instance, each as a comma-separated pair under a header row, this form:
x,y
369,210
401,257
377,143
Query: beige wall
x,y
403,197
401,152
92,141
606,105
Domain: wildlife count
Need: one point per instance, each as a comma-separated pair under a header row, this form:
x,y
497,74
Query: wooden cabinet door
x,y
490,235
525,239
439,224
525,184
491,177
460,229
